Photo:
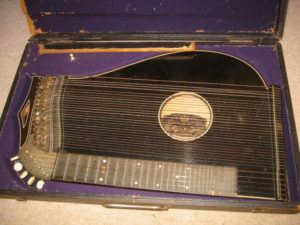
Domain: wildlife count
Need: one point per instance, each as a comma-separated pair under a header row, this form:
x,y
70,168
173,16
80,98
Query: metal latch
x,y
260,210
141,207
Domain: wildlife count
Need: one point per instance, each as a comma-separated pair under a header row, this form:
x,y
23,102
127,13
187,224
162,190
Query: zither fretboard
x,y
146,174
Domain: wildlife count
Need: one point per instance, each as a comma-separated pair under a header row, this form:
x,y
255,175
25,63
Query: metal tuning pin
x,y
24,174
18,166
14,158
40,184
31,180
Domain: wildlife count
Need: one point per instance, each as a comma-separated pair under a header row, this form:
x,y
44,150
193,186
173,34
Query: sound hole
x,y
185,116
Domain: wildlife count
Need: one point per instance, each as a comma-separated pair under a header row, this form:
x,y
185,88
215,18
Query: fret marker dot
x,y
135,182
104,161
138,164
101,179
157,185
186,187
188,168
177,176
159,166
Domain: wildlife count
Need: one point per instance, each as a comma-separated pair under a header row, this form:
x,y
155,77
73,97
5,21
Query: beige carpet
x,y
14,34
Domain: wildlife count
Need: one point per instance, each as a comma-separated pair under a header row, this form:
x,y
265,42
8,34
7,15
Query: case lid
x,y
217,17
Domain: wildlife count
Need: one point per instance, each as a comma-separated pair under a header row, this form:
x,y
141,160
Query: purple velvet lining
x,y
262,58
174,16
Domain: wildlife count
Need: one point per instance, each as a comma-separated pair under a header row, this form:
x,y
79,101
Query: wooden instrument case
x,y
103,36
